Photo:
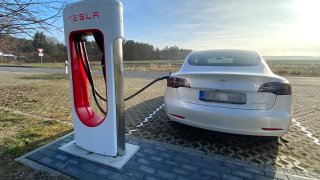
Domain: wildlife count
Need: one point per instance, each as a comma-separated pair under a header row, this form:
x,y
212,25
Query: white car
x,y
232,91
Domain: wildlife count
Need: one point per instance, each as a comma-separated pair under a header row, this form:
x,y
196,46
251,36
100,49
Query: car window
x,y
224,59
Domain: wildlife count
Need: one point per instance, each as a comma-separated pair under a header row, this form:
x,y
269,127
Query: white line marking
x,y
309,134
146,119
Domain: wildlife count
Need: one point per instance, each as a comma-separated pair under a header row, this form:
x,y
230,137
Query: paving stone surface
x,y
177,164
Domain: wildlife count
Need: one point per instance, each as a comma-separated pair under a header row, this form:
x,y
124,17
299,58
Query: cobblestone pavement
x,y
153,161
295,151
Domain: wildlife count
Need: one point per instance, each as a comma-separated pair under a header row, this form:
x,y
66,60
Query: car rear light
x,y
178,116
277,88
175,82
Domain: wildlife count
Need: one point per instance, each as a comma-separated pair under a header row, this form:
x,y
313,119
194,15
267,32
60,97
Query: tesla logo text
x,y
221,82
84,16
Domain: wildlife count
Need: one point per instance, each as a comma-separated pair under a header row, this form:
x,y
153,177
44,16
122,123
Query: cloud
x,y
272,27
254,24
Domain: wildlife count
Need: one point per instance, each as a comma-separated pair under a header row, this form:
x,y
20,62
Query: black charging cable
x,y
144,88
86,67
148,85
85,63
89,72
81,39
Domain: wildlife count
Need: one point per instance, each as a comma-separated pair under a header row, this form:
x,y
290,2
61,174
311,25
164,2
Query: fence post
x,y
66,66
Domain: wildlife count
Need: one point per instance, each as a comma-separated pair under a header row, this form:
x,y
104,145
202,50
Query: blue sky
x,y
271,27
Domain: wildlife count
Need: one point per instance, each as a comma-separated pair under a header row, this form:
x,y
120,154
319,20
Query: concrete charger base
x,y
115,162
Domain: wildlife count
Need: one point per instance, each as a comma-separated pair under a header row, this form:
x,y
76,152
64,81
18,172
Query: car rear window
x,y
224,59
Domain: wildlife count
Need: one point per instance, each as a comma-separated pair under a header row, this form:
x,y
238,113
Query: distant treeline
x,y
135,51
25,50
55,51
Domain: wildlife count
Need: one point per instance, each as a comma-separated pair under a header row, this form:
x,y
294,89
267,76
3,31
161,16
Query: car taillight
x,y
175,82
278,88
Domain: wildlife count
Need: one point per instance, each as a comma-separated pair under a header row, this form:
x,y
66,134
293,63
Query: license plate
x,y
223,97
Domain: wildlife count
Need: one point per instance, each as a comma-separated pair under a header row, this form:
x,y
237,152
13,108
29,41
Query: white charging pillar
x,y
101,135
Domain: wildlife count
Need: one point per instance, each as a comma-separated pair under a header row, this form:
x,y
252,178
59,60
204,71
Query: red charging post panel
x,y
80,84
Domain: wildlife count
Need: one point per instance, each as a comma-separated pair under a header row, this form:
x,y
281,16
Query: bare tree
x,y
24,17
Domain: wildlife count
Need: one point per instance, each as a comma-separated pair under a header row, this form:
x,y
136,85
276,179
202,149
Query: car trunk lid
x,y
227,89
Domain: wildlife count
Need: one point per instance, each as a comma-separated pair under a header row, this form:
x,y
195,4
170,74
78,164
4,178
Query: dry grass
x,y
293,68
25,102
20,134
153,67
48,95
286,68
42,95
46,65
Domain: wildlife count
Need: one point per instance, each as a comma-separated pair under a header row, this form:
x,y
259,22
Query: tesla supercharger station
x,y
101,135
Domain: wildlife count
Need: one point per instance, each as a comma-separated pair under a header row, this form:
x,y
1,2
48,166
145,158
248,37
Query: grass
x,y
44,65
153,67
307,68
18,135
286,68
42,95
33,99
296,68
48,95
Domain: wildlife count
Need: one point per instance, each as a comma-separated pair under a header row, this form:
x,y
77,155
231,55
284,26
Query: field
x,y
294,67
287,67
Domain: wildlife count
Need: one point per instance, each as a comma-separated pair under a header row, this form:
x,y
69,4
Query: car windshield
x,y
221,58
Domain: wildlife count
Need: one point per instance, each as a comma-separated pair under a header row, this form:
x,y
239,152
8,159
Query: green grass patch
x,y
20,134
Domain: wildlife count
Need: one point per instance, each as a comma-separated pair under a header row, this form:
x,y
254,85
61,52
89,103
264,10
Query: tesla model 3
x,y
232,91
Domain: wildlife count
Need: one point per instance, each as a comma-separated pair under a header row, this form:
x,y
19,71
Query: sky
x,y
270,27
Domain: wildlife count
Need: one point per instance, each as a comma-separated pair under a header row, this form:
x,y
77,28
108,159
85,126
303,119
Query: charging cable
x,y
86,67
148,85
80,47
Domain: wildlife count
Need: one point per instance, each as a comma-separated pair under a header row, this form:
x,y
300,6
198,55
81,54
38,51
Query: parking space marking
x,y
146,119
308,133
